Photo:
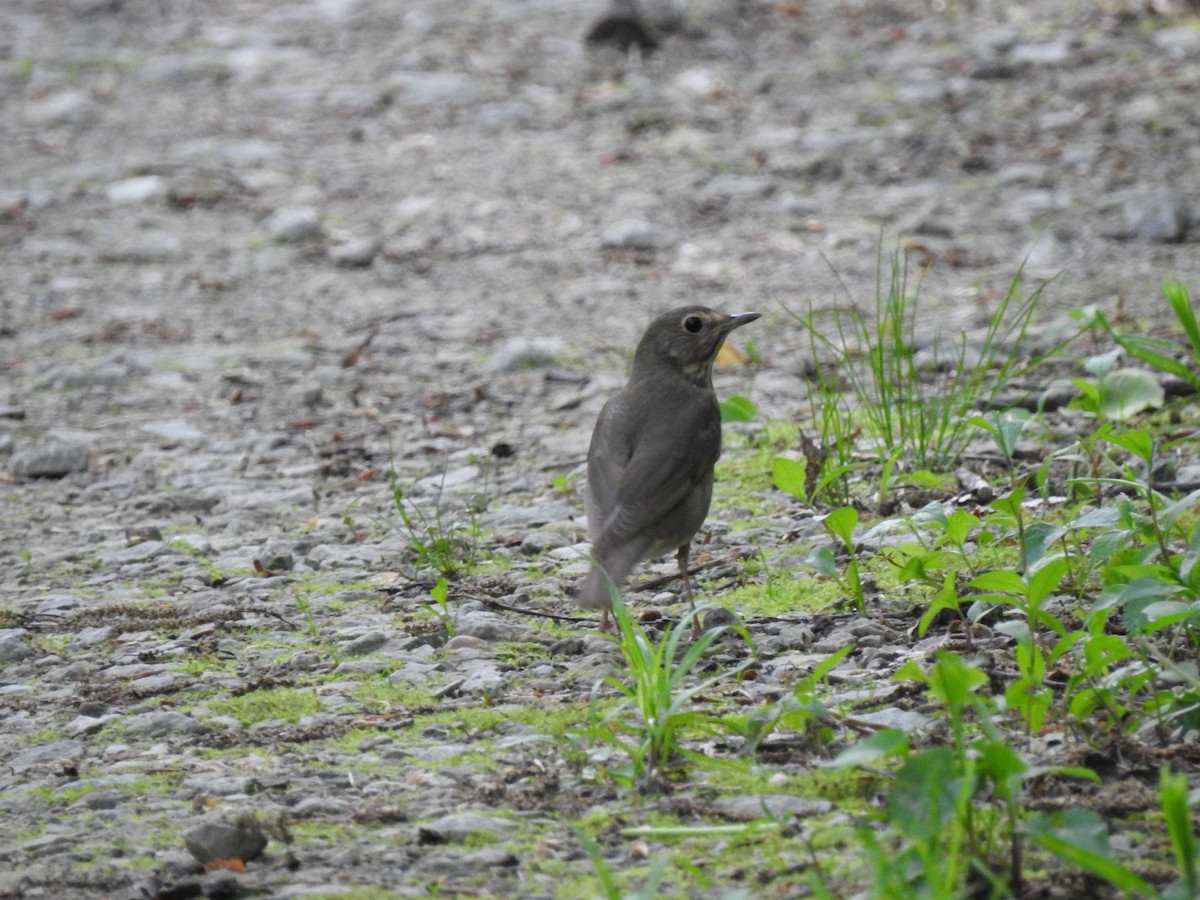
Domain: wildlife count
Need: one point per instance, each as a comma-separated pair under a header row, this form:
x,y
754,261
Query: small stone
x,y
434,89
173,430
137,190
543,539
364,644
14,646
635,234
311,807
276,555
488,627
44,754
482,682
84,725
139,534
756,806
523,353
214,841
1161,221
163,724
730,186
354,254
459,826
465,642
47,459
152,247
69,107
1051,54
294,224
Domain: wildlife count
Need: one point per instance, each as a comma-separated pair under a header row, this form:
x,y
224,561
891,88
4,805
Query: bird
x,y
652,452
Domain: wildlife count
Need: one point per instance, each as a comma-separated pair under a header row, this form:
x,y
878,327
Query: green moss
x,y
782,594
288,704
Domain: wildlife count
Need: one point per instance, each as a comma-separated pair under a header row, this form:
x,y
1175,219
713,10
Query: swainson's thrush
x,y
650,463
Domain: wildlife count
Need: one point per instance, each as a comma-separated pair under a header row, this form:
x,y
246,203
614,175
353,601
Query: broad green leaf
x,y
1000,580
1101,363
737,409
925,794
880,745
1126,392
1136,441
1046,578
822,560
841,523
789,476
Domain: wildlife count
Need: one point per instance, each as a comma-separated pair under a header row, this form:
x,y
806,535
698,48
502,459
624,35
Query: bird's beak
x,y
737,320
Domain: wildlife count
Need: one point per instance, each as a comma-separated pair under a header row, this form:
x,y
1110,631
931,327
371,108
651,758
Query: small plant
x,y
840,524
437,543
877,359
1162,354
656,703
441,608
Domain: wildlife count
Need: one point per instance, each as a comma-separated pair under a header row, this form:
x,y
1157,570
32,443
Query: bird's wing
x,y
642,476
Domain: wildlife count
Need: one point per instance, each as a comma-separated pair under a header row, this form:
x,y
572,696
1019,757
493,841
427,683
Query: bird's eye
x,y
693,324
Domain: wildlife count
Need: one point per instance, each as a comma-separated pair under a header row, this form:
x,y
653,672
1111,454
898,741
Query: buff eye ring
x,y
693,324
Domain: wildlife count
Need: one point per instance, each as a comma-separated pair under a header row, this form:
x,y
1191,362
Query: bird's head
x,y
686,339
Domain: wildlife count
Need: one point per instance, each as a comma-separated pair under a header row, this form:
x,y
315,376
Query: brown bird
x,y
650,463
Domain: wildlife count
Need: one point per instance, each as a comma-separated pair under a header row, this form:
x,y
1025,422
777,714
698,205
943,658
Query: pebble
x,y
173,430
15,646
163,724
357,253
1162,220
137,190
433,89
749,807
276,555
212,841
457,827
47,459
521,353
294,224
635,234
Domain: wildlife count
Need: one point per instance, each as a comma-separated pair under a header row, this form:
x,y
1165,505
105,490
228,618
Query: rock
x,y
14,645
635,234
276,555
1162,220
364,644
66,108
483,681
504,114
487,626
214,841
48,754
137,190
47,459
433,89
140,249
163,724
457,827
728,186
543,539
523,353
294,224
756,806
354,254
173,430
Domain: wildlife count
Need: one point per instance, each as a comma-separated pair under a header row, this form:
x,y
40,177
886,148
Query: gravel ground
x,y
256,253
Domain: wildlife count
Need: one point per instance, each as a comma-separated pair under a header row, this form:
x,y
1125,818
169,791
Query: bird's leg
x,y
682,558
604,621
